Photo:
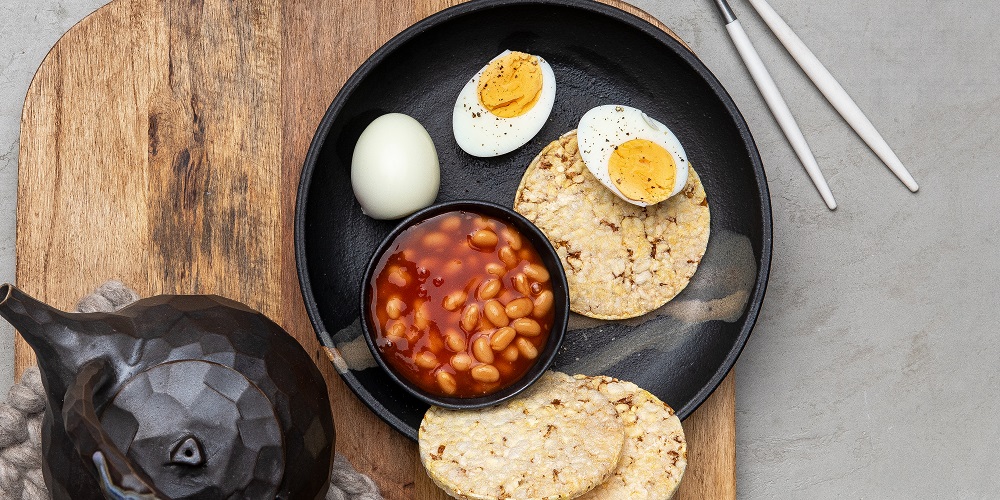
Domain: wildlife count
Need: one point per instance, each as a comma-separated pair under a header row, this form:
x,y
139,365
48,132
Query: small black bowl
x,y
559,289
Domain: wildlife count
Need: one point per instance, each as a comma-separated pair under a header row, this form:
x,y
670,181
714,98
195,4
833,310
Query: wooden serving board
x,y
161,144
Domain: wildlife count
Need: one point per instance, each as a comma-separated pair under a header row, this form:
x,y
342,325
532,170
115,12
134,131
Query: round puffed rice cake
x,y
558,440
621,260
655,453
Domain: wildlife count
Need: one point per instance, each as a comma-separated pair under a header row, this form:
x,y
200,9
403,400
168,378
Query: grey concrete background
x,y
872,372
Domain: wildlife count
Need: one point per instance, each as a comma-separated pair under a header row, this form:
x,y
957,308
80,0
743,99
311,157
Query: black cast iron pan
x,y
600,55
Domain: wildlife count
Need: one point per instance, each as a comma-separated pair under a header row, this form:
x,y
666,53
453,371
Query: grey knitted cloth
x,y
21,426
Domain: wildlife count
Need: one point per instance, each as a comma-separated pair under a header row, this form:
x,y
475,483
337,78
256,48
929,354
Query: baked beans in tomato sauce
x,y
462,304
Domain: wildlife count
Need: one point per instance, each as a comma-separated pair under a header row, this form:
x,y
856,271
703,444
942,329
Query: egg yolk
x,y
643,171
511,85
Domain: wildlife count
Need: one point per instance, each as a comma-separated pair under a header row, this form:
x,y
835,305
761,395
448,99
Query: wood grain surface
x,y
161,144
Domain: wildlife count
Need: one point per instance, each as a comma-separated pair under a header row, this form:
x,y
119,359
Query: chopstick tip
x,y
897,168
906,179
827,196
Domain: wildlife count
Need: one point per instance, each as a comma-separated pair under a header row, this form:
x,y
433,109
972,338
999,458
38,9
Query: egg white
x,y
603,128
394,168
481,133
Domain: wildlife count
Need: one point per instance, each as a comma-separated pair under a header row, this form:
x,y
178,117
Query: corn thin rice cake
x,y
655,454
621,260
558,440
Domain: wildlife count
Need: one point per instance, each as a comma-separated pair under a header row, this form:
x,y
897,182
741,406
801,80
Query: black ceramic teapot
x,y
176,396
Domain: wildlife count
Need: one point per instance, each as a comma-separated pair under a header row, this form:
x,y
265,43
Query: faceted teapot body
x,y
176,397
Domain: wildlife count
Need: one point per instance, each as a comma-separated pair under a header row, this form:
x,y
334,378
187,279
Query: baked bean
x,y
481,349
454,300
489,289
510,353
521,284
483,239
435,342
495,313
526,348
427,360
485,373
536,288
446,382
526,326
536,272
394,307
512,238
435,240
484,325
421,316
496,269
397,330
399,276
452,267
508,257
461,362
502,338
519,308
506,371
451,223
484,222
543,304
455,341
470,317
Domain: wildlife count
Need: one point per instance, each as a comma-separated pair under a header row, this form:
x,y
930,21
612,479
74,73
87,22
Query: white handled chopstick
x,y
775,102
834,93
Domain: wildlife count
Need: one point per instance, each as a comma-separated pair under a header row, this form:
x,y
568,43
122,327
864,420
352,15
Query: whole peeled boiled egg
x,y
504,105
633,155
394,169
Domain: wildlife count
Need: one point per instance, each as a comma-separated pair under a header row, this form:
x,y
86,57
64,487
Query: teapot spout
x,y
54,335
28,315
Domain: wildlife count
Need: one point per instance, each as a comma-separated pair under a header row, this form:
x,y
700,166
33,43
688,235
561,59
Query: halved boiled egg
x,y
504,105
635,156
